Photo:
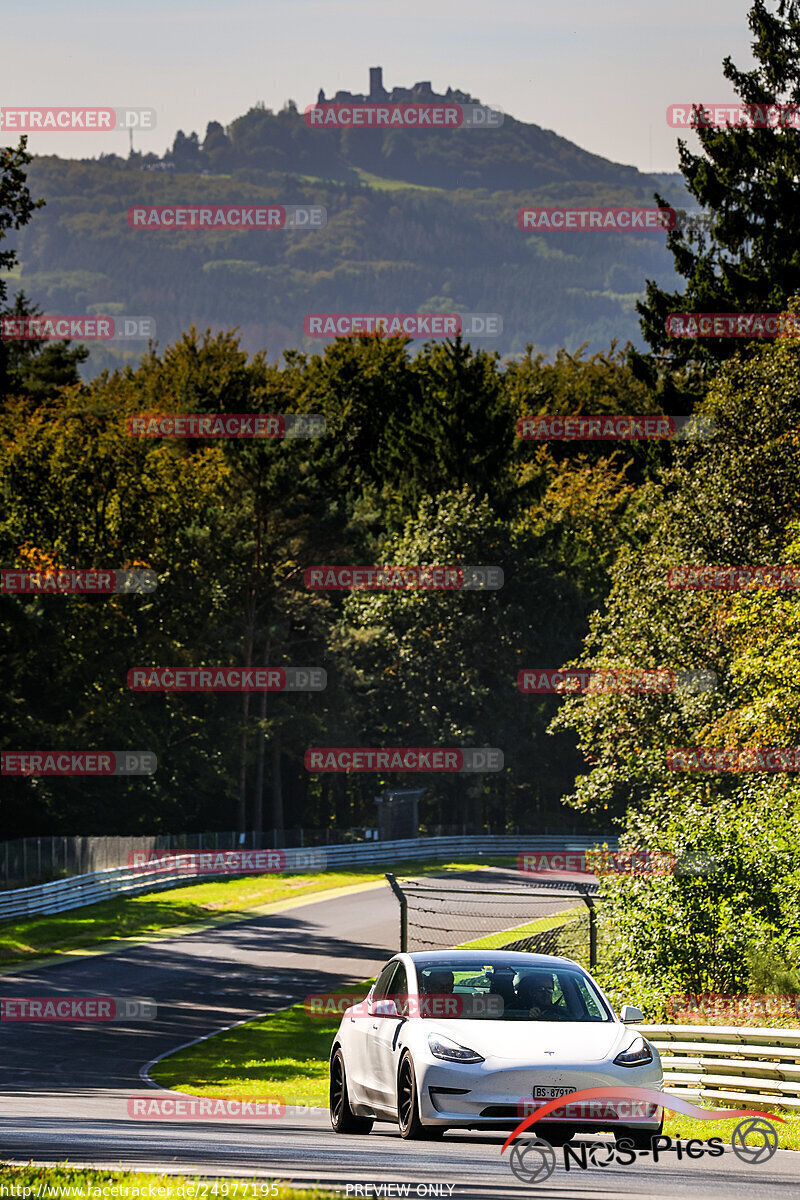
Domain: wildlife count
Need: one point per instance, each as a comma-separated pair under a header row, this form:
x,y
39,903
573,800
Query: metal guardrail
x,y
64,894
751,1067
449,847
25,862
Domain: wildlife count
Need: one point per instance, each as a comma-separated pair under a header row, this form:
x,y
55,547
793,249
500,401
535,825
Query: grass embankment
x,y
74,1183
284,1054
100,925
495,941
676,1126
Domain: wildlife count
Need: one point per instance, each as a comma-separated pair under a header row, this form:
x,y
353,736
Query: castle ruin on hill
x,y
420,93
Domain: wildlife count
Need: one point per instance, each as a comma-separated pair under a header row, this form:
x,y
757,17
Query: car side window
x,y
590,1003
384,979
398,990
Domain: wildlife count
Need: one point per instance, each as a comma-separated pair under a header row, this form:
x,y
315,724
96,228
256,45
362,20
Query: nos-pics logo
x,y
754,1139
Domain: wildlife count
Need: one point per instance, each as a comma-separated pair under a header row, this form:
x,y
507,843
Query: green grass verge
x,y
141,916
284,1054
495,941
75,1183
677,1126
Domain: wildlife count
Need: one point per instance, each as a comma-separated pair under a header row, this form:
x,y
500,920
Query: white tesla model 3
x,y
481,1038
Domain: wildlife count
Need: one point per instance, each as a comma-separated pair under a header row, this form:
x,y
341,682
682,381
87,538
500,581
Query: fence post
x,y
398,891
589,902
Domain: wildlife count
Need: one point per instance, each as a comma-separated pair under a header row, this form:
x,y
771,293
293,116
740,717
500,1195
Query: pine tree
x,y
748,180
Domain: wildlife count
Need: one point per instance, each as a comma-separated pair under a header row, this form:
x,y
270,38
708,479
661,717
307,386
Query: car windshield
x,y
499,992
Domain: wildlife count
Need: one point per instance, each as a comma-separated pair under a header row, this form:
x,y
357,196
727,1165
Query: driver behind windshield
x,y
536,993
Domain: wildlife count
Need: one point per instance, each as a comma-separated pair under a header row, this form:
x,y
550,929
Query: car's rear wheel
x,y
343,1119
408,1118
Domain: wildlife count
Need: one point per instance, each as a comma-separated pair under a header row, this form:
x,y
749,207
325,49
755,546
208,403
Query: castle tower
x,y
376,88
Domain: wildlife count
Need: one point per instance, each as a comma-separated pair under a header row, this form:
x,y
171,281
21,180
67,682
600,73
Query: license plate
x,y
551,1093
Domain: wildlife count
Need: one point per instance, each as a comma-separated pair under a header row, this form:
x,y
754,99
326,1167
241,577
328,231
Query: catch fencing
x,y
61,895
546,917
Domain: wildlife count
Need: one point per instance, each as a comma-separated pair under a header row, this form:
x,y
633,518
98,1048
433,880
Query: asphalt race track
x,y
65,1086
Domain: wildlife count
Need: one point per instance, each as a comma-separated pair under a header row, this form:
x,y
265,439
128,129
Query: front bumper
x,y
494,1094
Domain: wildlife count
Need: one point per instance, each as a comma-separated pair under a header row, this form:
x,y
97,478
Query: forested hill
x,y
418,221
512,156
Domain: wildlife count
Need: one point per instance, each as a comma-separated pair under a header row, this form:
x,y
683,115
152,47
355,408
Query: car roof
x,y
500,958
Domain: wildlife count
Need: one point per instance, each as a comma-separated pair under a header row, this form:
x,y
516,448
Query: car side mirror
x,y
383,1008
631,1015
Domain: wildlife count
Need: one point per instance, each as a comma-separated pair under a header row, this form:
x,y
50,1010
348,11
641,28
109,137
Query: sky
x,y
598,72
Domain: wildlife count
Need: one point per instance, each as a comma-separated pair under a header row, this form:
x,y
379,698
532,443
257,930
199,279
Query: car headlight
x,y
637,1054
443,1047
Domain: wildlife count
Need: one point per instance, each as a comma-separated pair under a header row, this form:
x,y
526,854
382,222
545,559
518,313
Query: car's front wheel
x,y
343,1119
408,1118
639,1137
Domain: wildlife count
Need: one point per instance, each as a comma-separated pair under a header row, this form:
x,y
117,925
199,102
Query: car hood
x,y
529,1041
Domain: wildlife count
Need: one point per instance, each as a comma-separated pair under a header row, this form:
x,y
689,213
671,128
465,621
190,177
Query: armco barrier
x,y
64,894
751,1067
